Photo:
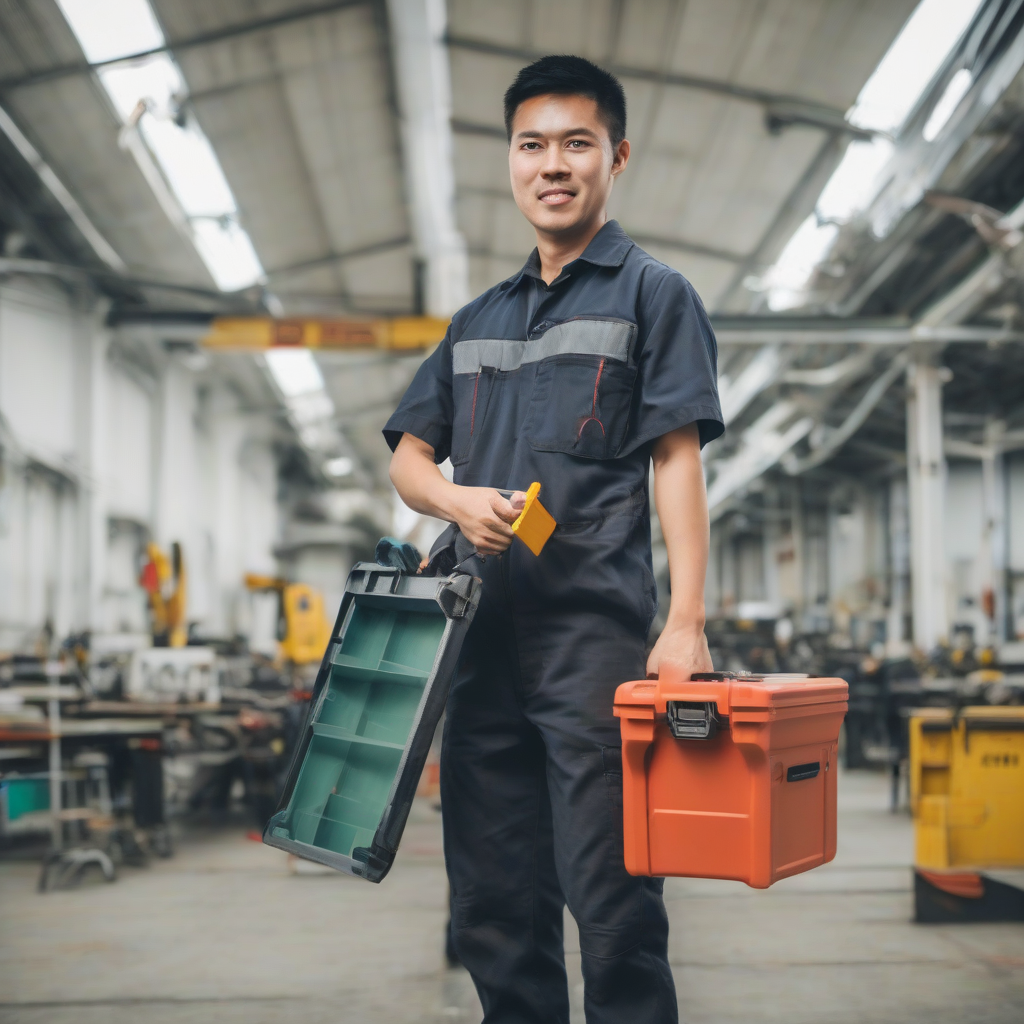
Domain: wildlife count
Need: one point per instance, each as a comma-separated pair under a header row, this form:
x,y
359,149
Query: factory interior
x,y
231,234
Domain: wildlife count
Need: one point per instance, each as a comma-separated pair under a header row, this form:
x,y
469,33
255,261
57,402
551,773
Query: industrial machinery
x,y
164,581
302,626
967,798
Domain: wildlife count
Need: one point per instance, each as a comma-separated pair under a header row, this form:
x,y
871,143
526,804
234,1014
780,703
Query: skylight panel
x,y
888,98
147,94
226,249
108,29
855,182
949,101
191,167
910,64
157,80
809,245
295,371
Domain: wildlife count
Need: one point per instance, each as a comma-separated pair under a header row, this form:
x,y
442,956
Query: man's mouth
x,y
556,196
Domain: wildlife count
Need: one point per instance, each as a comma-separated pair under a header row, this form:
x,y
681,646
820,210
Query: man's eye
x,y
578,144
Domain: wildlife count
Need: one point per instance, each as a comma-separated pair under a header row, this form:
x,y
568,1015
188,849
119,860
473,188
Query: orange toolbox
x,y
729,776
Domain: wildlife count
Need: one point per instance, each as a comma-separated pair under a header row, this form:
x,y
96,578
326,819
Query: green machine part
x,y
377,700
19,796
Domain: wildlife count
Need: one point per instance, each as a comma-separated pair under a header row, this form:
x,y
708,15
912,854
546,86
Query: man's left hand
x,y
684,647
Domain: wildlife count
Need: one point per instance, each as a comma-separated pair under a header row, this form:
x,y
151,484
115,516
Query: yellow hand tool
x,y
535,523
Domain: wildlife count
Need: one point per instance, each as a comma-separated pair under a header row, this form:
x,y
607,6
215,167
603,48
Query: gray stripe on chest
x,y
606,338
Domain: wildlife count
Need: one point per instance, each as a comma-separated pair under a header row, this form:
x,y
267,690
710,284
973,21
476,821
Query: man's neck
x,y
556,251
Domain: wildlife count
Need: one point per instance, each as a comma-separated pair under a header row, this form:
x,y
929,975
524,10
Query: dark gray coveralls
x,y
569,384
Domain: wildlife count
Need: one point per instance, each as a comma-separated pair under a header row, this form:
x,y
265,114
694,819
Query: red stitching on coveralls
x,y
593,407
472,415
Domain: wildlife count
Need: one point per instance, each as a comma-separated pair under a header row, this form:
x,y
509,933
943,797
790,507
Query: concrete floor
x,y
223,932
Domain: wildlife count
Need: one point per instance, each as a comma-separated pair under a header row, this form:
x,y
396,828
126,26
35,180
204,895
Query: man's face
x,y
562,163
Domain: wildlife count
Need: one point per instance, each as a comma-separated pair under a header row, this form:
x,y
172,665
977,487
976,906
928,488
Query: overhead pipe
x,y
836,438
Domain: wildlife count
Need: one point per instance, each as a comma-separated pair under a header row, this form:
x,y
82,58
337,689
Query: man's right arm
x,y
481,513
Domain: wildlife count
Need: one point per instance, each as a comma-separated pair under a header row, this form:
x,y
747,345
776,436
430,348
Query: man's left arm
x,y
682,504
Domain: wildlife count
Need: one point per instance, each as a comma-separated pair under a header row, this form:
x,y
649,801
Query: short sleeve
x,y
426,408
677,364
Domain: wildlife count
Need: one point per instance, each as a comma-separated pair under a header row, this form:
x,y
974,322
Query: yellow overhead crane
x,y
303,630
257,333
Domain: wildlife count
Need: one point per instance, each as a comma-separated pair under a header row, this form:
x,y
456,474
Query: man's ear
x,y
621,157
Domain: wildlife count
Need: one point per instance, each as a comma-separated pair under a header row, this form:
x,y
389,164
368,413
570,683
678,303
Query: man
x,y
578,371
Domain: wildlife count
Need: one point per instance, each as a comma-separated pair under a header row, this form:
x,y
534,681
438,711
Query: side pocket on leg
x,y
611,758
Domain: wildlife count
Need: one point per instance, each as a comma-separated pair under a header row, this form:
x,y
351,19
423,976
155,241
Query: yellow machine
x,y
967,787
303,629
164,581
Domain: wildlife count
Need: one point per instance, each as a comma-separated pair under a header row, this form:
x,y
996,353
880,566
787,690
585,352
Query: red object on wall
x,y
149,580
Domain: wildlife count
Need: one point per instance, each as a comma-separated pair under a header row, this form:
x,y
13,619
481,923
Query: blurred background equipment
x,y
174,674
164,581
302,627
967,798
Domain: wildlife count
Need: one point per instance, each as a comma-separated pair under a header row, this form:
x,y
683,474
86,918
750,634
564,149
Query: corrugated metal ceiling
x,y
301,114
707,180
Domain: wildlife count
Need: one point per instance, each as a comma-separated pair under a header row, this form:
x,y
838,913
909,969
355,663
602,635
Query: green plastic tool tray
x,y
378,697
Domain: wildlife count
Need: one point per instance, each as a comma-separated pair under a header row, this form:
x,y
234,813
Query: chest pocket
x,y
472,394
583,388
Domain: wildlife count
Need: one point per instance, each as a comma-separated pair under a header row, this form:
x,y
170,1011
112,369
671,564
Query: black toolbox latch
x,y
455,595
692,719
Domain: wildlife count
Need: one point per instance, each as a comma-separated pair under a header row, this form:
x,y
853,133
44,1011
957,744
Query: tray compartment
x,y
361,727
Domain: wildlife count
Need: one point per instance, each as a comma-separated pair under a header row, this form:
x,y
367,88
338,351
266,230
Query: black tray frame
x,y
457,596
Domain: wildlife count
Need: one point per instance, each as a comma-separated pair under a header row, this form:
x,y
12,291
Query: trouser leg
x,y
570,688
506,901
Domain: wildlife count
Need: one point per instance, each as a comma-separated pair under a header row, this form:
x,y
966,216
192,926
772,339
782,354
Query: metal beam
x,y
103,249
488,131
424,99
836,437
797,205
684,245
763,444
761,331
676,244
918,163
338,257
178,45
780,109
763,369
77,275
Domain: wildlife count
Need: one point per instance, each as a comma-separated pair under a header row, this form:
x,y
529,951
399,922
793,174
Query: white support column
x,y
993,539
93,438
176,473
770,546
899,557
926,480
424,98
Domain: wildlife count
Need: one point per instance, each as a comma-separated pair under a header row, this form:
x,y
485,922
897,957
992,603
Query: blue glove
x,y
397,553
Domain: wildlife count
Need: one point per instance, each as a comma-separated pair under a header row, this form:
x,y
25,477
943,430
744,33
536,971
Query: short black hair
x,y
570,76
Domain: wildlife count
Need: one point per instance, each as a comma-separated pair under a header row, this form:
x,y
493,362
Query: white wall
x,y
102,450
37,370
41,484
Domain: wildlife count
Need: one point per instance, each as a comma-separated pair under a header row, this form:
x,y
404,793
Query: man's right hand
x,y
481,513
485,517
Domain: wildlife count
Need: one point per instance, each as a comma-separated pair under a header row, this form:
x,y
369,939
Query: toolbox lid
x,y
732,692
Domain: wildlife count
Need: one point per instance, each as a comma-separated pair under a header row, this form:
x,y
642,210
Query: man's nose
x,y
555,165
